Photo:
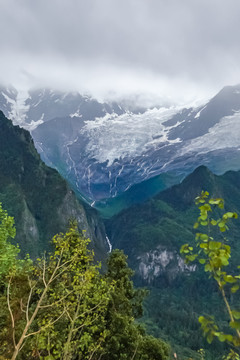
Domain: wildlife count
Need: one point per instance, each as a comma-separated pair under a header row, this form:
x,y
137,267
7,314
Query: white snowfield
x,y
223,135
129,135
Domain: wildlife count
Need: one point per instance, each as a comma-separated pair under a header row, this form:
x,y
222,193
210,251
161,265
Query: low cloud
x,y
165,51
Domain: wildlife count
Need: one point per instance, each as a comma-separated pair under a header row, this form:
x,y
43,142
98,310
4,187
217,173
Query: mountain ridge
x,y
37,196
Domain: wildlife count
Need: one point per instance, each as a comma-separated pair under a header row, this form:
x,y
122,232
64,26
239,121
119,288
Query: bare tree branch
x,y
44,271
10,311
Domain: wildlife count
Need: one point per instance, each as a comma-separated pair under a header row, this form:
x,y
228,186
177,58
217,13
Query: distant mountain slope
x,y
103,149
165,221
136,194
37,196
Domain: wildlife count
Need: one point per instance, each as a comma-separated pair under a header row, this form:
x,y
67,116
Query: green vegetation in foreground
x,y
62,307
214,254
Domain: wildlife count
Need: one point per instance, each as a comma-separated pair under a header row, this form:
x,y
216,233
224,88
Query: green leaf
x,y
191,257
215,201
214,245
201,319
202,261
228,248
235,325
213,222
207,267
196,225
210,338
229,337
184,249
222,337
231,215
203,246
234,288
229,279
224,260
205,208
236,314
204,237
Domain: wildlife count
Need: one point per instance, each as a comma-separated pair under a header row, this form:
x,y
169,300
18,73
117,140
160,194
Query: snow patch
x,y
19,108
199,113
76,114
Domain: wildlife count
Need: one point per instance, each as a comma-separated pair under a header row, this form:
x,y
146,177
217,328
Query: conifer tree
x,y
126,338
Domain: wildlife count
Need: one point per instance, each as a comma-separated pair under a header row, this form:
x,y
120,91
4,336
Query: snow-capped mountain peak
x,y
103,148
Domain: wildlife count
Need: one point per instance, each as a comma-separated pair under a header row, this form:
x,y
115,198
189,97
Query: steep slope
x,y
37,196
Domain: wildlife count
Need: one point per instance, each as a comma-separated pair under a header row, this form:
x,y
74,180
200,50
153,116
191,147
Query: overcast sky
x,y
177,50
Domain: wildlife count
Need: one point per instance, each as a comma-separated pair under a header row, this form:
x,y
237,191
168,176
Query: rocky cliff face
x,y
158,262
38,197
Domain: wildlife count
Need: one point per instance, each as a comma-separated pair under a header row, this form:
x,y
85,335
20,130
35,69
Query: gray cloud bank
x,y
175,50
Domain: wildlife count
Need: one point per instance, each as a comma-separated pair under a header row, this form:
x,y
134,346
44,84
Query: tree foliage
x,y
8,252
56,305
62,307
215,255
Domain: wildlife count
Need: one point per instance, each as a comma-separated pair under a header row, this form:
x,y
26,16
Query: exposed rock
x,y
160,261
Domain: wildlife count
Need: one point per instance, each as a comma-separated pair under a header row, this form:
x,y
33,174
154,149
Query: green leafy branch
x,y
214,256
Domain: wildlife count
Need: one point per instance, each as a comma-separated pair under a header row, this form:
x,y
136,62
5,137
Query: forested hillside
x,y
152,234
